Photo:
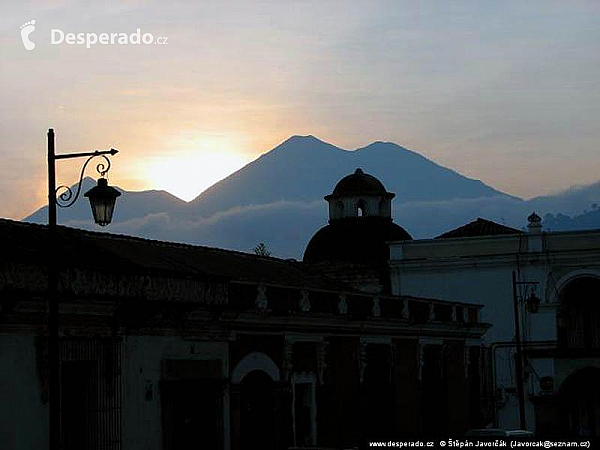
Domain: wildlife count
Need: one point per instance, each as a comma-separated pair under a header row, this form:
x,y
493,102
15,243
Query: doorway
x,y
257,411
192,414
580,403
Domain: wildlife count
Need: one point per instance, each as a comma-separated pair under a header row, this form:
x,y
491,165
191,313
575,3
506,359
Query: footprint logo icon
x,y
26,29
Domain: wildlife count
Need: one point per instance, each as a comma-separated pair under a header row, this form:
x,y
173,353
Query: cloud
x,y
284,226
287,226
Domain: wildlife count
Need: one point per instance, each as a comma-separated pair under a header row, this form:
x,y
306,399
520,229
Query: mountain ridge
x,y
278,199
318,165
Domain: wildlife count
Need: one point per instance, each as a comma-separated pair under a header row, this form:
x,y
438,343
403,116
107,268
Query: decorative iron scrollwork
x,y
66,198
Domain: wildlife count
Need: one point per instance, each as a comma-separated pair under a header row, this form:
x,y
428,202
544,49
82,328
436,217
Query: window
x,y
579,326
361,208
90,394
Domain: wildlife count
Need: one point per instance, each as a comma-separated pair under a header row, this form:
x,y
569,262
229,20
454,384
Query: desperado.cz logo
x,y
26,29
89,39
58,36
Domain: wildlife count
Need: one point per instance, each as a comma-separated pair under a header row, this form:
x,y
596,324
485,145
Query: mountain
x,y
574,200
278,199
304,168
132,205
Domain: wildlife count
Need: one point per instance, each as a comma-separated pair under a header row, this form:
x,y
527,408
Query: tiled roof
x,y
479,227
28,243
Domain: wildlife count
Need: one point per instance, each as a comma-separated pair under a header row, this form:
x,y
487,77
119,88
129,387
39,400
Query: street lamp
x,y
532,303
102,200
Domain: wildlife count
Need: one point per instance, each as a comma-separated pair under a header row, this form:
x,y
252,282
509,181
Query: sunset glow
x,y
474,86
193,165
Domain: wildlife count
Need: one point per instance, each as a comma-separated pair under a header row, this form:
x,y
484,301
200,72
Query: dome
x,y
355,241
360,224
358,183
357,195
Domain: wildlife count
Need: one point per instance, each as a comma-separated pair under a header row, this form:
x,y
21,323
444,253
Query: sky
x,y
506,92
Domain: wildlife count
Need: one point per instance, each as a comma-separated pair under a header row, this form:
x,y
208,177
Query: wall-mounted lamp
x,y
533,302
149,393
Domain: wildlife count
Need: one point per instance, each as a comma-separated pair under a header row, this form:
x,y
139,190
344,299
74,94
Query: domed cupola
x,y
359,195
360,223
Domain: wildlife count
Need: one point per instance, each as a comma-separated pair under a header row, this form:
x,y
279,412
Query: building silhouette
x,y
173,346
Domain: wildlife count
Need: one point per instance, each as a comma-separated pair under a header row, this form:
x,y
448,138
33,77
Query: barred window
x,y
91,394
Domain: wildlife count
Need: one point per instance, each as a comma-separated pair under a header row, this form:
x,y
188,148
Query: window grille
x,y
91,394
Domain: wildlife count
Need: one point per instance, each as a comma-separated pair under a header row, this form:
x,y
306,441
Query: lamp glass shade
x,y
533,303
102,200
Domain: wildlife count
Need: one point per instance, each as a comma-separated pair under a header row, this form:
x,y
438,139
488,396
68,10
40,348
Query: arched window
x,y
361,208
255,361
579,316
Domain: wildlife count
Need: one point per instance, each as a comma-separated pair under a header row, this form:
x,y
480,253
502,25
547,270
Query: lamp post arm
x,y
112,151
67,197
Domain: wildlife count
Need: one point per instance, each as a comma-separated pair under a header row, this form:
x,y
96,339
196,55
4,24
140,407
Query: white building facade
x,y
560,341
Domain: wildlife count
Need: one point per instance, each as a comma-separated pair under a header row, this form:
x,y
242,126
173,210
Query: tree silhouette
x,y
262,250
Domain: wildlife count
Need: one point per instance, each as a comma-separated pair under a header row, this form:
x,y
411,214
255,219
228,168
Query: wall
x,y
23,415
479,270
142,363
